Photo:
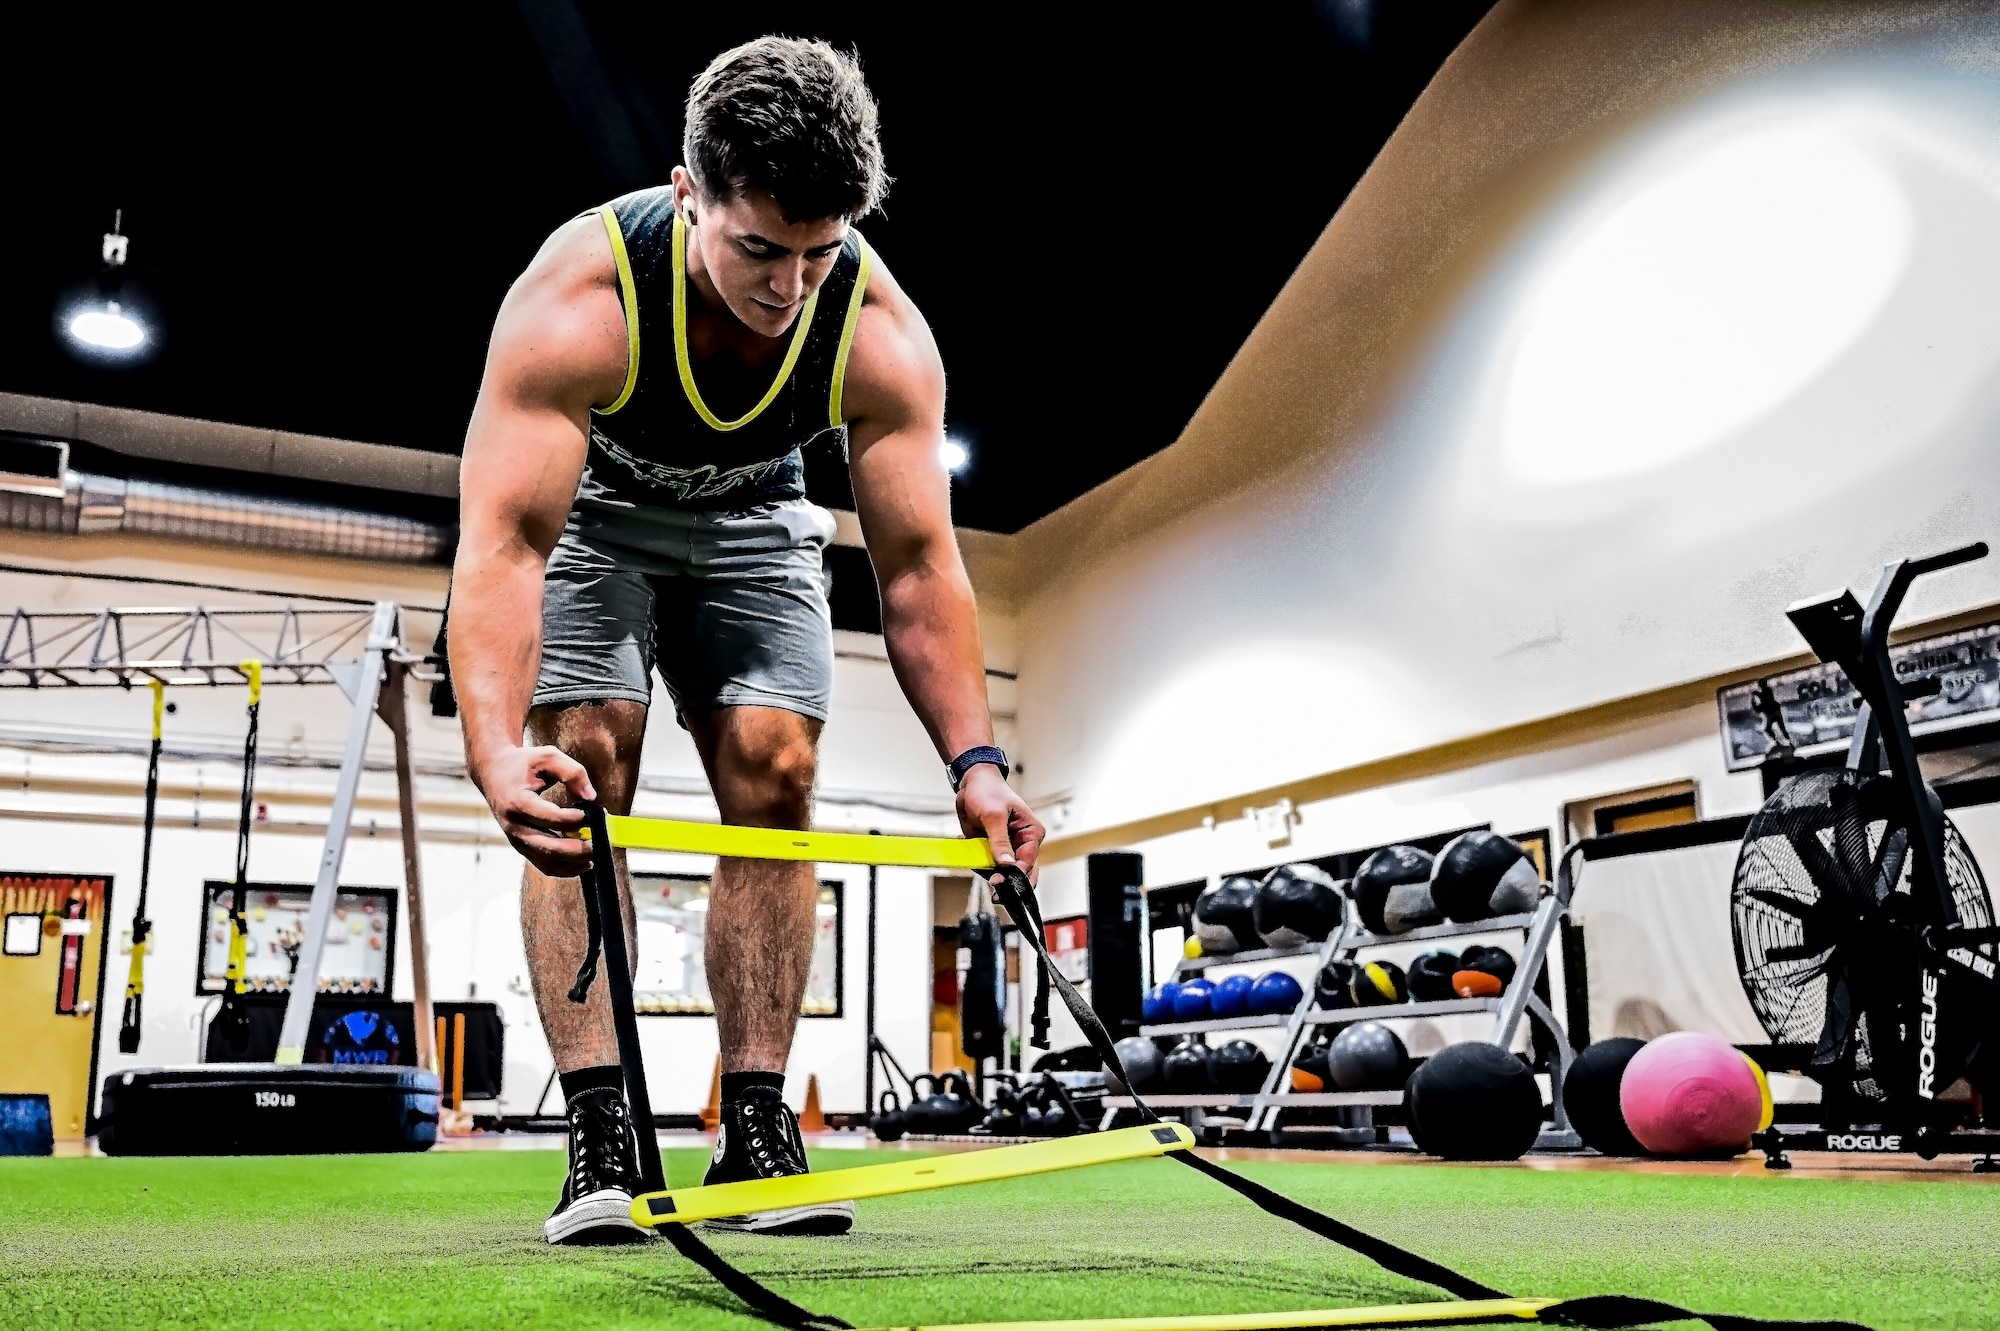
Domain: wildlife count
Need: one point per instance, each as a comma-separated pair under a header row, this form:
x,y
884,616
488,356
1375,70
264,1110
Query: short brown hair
x,y
792,117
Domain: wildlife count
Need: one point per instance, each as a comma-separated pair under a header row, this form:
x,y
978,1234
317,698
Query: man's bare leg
x,y
605,738
761,763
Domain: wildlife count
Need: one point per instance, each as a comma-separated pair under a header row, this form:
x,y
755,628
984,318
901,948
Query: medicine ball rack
x,y
1538,929
228,1107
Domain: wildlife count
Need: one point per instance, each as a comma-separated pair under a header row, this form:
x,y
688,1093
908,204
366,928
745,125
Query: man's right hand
x,y
514,781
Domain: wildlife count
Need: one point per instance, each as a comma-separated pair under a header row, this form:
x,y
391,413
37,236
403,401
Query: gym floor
x,y
453,1239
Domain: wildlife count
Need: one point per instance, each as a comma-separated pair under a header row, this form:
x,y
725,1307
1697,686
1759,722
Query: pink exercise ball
x,y
1690,1094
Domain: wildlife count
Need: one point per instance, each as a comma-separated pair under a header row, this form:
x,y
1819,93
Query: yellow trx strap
x,y
135,979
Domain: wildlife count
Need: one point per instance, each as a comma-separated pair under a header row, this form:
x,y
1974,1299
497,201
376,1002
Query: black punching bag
x,y
1114,878
982,1026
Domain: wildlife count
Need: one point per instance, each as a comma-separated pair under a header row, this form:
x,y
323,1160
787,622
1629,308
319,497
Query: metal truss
x,y
185,645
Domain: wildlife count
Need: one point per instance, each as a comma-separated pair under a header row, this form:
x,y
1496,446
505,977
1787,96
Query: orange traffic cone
x,y
812,1118
711,1114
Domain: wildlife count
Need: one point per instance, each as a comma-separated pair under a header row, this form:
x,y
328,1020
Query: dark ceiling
x,y
1093,205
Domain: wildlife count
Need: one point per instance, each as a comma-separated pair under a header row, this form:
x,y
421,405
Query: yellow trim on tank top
x,y
629,294
681,343
834,415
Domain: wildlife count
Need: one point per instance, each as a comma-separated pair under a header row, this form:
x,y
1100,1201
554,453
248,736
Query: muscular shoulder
x,y
894,373
561,333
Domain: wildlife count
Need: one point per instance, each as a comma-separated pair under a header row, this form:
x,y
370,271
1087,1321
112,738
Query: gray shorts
x,y
731,608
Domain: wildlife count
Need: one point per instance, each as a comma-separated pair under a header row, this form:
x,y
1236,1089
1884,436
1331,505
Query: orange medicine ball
x,y
1476,984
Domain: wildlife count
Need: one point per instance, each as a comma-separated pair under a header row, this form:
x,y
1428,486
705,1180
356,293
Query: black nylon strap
x,y
1400,1261
1608,1312
593,919
760,1298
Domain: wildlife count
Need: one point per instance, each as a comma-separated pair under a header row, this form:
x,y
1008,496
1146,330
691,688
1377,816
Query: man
x,y
632,497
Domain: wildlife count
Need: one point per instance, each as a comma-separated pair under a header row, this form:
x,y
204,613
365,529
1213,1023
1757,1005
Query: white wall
x,y
1731,352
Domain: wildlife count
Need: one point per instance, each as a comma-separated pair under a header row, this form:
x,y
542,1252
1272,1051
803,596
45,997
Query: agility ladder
x,y
672,1212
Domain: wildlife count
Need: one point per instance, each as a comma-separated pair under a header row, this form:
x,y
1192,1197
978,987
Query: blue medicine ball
x,y
1191,1003
1231,996
1158,1005
1274,991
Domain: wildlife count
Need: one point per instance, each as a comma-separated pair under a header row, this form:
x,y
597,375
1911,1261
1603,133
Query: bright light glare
x,y
110,329
1710,295
954,455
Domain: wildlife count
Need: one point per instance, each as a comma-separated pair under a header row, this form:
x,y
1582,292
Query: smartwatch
x,y
971,758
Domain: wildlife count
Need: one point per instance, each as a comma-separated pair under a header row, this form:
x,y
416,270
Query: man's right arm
x,y
558,348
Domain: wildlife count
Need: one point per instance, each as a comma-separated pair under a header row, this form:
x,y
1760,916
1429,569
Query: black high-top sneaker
x,y
759,1138
596,1205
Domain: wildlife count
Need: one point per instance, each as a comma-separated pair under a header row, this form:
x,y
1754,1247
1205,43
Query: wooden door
x,y
51,968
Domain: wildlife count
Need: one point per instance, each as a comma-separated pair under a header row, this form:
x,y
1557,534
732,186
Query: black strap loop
x,y
593,917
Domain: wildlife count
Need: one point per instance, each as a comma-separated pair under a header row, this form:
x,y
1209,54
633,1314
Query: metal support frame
x,y
1538,930
117,648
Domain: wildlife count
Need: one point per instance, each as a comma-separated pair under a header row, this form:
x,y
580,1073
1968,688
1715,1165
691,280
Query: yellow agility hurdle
x,y
689,1206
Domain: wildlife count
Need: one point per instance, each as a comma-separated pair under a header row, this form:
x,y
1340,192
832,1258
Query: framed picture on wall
x,y
1068,940
672,978
360,954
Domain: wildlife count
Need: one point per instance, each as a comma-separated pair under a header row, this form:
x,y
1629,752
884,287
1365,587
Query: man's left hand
x,y
988,807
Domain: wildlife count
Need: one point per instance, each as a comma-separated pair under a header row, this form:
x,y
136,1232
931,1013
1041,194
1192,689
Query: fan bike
x,y
1864,931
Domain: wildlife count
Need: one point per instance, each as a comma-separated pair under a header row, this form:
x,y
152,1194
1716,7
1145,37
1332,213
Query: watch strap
x,y
973,757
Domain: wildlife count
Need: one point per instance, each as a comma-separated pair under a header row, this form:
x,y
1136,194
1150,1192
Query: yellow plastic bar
x,y
689,1206
159,688
766,843
1443,1312
253,670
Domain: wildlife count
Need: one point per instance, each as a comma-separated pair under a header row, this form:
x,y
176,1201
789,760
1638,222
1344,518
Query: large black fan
x,y
1826,928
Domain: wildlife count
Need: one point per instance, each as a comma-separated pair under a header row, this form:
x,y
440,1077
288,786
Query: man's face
x,y
763,266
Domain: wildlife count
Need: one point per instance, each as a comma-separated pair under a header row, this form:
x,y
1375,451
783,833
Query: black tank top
x,y
659,445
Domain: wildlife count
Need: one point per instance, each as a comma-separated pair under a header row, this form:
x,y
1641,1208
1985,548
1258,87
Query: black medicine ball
x,y
1388,867
1378,983
1495,961
1409,906
1222,916
1143,1063
1590,1096
1240,1068
1473,1101
1481,874
1187,1069
1334,986
1367,1056
1430,976
1296,904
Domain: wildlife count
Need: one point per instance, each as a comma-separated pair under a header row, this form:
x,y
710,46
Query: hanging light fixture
x,y
104,325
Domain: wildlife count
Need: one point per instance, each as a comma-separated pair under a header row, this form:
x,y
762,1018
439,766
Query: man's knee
x,y
605,737
772,781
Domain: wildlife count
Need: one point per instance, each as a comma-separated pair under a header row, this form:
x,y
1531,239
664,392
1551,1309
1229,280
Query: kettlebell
x,y
888,1122
1004,1119
954,1103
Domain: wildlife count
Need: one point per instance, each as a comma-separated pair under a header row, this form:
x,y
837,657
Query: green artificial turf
x,y
453,1240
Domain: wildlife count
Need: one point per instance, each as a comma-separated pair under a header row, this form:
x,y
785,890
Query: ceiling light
x,y
108,329
954,456
106,321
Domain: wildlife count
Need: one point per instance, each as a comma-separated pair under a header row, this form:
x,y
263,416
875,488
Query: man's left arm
x,y
895,395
